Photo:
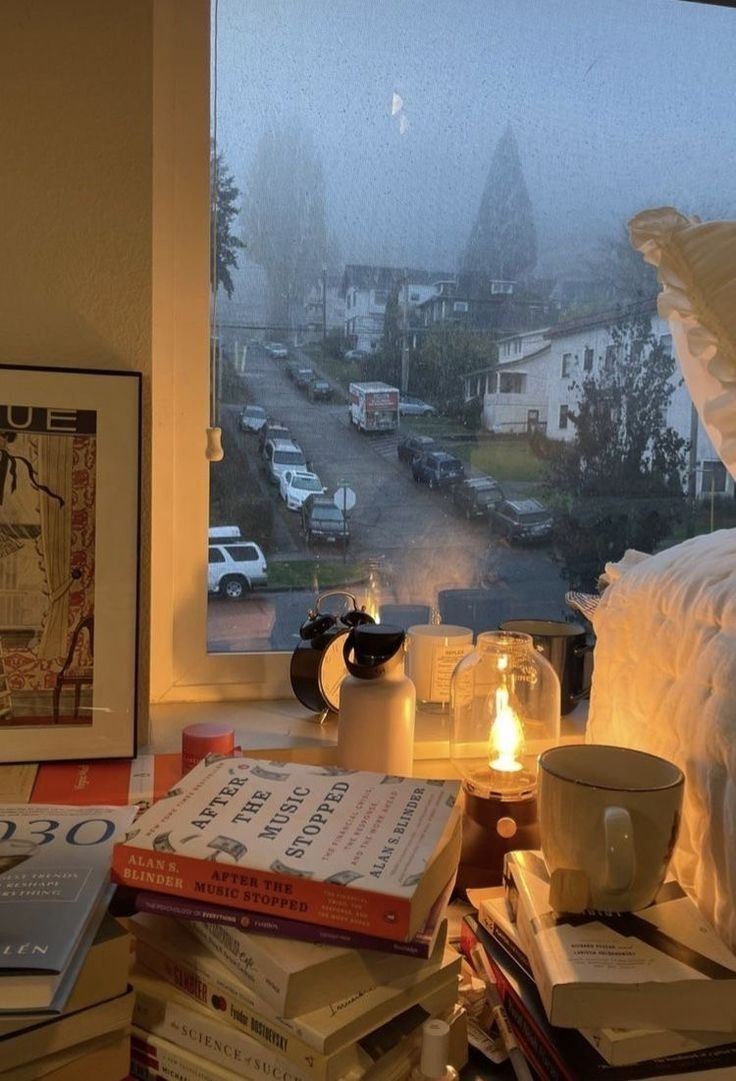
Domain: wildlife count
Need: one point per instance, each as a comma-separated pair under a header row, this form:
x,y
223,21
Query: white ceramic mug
x,y
608,819
432,651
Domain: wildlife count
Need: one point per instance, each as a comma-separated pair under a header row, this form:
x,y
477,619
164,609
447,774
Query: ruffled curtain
x,y
696,266
55,472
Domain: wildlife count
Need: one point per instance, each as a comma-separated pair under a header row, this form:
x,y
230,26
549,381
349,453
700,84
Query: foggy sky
x,y
616,105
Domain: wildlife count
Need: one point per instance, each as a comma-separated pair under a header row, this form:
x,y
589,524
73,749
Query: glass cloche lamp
x,y
504,711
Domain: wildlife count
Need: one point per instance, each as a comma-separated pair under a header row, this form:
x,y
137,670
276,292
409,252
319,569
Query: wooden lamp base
x,y
492,827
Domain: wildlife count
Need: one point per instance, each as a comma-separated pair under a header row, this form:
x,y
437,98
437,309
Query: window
x,y
609,362
512,383
241,553
379,192
665,341
563,416
414,297
216,556
714,478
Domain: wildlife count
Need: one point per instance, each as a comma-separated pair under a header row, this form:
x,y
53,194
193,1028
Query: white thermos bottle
x,y
375,728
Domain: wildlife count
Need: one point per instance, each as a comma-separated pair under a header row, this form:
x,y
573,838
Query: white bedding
x,y
665,682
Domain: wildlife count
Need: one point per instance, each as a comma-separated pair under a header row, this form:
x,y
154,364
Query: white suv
x,y
235,567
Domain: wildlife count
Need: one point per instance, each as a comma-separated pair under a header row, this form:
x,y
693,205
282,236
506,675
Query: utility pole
x,y
324,305
404,342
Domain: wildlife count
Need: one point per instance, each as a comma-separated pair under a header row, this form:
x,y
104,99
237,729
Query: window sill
x,y
284,723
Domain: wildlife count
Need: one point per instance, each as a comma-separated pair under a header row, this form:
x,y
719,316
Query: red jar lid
x,y
199,740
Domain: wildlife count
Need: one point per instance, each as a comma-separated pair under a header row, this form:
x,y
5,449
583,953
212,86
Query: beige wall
x,y
76,86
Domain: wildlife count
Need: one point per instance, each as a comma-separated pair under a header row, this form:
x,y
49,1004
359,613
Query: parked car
x,y
415,407
252,418
356,354
282,454
235,567
437,469
277,350
323,521
296,484
320,390
521,520
272,430
477,496
292,368
410,445
304,376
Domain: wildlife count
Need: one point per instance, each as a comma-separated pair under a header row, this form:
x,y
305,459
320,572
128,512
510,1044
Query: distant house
x,y
324,308
535,384
366,290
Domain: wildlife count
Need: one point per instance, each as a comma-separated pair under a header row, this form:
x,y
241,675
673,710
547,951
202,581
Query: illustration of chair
x,y
72,673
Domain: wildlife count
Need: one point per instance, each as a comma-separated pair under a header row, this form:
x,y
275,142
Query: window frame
x,y
181,669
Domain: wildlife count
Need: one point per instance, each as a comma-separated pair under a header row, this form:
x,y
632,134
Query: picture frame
x,y
70,450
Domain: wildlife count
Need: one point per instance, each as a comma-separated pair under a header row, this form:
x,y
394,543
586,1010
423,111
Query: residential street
x,y
420,546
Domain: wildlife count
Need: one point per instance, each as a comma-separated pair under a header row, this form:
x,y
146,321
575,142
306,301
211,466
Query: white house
x,y
324,308
366,290
536,383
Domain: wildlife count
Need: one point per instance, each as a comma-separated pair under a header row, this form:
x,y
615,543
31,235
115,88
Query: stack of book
x,y
290,923
65,1000
624,997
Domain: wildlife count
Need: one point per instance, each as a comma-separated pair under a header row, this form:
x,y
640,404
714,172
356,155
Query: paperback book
x,y
662,966
54,889
105,1058
563,1054
18,1048
128,902
165,1014
295,977
140,781
308,1040
359,851
618,1046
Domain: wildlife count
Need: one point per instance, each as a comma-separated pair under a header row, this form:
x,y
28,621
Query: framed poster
x,y
69,532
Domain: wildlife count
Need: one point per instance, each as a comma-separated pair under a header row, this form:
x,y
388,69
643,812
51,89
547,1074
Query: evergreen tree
x,y
225,243
284,210
389,366
503,242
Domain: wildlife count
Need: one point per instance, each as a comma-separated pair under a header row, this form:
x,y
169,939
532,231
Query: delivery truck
x,y
374,407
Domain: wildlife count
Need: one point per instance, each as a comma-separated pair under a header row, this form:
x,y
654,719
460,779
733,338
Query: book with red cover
x,y
128,902
357,851
111,783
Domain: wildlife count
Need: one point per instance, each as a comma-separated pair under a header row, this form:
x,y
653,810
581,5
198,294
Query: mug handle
x,y
620,855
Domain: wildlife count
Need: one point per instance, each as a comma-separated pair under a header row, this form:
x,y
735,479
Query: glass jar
x,y
504,711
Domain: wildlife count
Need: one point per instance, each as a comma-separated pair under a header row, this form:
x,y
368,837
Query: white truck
x,y
374,407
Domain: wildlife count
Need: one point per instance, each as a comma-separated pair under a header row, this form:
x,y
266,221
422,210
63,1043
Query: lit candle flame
x,y
506,737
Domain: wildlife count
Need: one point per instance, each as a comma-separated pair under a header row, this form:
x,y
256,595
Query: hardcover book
x,y
295,977
161,1011
103,975
662,966
54,888
306,1040
358,851
562,1054
128,902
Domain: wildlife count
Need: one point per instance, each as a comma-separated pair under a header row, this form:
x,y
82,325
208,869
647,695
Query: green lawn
x,y
314,573
504,459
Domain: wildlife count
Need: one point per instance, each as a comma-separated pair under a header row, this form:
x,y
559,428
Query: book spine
x,y
505,941
222,995
256,969
160,904
325,903
225,1046
534,1041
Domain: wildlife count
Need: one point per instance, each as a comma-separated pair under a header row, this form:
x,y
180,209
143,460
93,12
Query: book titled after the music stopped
x,y
54,887
662,966
360,851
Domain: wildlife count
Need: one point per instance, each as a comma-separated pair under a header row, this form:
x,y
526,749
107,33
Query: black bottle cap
x,y
374,644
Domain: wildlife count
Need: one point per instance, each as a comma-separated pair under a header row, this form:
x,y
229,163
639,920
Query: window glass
x,y
242,553
430,204
216,556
